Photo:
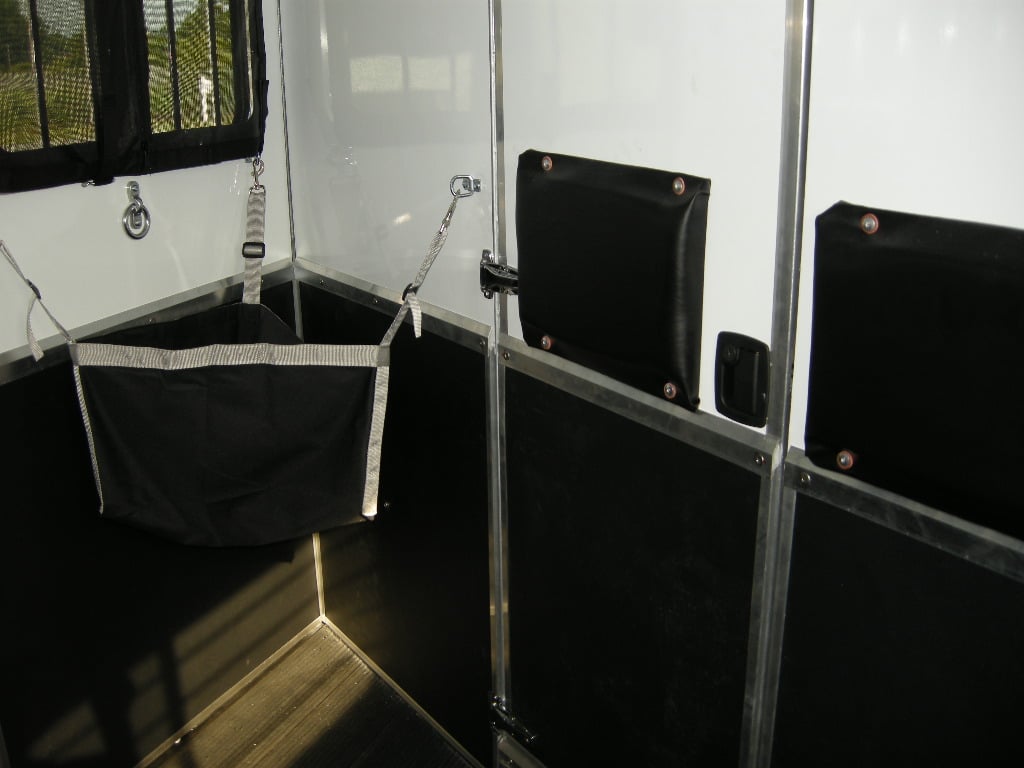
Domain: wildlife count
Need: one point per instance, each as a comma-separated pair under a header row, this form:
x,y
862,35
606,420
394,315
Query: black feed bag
x,y
223,429
611,268
915,359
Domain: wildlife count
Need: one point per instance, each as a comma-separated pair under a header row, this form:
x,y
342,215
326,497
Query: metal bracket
x,y
502,718
497,278
136,219
463,185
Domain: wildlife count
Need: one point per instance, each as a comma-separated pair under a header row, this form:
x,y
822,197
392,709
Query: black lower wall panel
x,y
113,639
631,571
895,653
411,588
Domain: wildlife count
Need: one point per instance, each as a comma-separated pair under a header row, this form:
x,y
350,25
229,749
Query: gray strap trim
x,y
255,223
409,300
88,435
373,448
228,354
37,298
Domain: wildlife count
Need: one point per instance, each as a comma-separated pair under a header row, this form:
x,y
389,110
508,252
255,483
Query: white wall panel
x,y
915,106
387,100
673,84
70,242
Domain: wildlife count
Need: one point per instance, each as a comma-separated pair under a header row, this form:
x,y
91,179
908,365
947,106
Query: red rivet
x,y
545,342
845,460
546,163
670,391
869,223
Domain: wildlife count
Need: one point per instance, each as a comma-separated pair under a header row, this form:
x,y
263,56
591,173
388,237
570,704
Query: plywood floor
x,y
316,705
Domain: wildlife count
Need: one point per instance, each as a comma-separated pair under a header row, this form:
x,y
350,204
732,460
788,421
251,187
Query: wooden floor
x,y
316,705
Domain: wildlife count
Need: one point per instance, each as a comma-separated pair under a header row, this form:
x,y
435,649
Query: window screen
x,y
45,83
92,89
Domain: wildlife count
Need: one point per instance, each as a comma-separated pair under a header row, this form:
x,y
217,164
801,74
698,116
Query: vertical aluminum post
x,y
497,467
775,516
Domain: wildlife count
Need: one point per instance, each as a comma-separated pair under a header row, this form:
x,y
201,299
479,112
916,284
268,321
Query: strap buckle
x,y
254,249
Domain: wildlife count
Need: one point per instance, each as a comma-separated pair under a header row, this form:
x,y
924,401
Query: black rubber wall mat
x,y
631,570
895,653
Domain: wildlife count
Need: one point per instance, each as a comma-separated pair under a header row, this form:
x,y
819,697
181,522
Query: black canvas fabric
x,y
229,455
611,268
915,366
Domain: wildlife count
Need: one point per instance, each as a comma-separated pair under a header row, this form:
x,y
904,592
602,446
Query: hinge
x,y
503,719
497,278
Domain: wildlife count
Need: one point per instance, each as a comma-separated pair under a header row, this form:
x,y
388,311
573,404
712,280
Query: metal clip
x,y
136,218
257,170
466,187
502,717
497,278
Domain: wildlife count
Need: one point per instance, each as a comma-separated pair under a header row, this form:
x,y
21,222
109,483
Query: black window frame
x,y
125,143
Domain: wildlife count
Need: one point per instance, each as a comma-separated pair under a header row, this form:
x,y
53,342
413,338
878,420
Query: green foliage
x,y
19,112
15,50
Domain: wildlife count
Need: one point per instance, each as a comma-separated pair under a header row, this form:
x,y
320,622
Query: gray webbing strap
x,y
33,343
254,248
410,301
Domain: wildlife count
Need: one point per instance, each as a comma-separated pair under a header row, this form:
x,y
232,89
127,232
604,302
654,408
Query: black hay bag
x,y
916,366
223,429
611,268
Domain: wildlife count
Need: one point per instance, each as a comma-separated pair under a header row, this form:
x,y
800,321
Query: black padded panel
x,y
631,567
611,268
895,653
411,588
112,638
914,363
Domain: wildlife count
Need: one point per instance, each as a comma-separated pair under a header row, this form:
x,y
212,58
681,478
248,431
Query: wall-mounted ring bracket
x,y
136,219
463,185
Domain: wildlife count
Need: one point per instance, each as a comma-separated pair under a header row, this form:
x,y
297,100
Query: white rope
x,y
33,343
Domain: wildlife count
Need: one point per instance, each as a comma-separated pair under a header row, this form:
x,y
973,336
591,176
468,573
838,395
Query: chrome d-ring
x,y
136,220
465,187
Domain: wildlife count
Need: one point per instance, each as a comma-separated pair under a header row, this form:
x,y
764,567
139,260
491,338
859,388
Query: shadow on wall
x,y
113,638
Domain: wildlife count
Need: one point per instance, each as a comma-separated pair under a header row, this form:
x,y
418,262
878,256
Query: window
x,y
93,89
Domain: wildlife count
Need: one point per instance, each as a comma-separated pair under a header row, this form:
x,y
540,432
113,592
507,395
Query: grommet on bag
x,y
869,223
845,460
678,185
670,391
546,163
545,343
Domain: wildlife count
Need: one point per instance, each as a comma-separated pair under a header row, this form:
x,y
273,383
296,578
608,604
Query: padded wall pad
x,y
915,364
611,268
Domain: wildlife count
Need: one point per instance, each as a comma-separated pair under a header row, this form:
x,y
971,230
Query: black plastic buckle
x,y
254,250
